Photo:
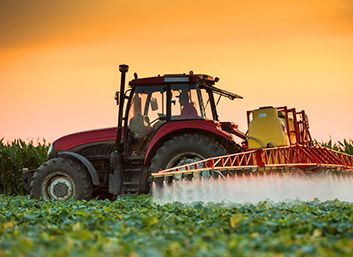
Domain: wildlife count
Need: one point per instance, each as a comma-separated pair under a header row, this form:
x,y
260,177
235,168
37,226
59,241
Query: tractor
x,y
163,122
168,130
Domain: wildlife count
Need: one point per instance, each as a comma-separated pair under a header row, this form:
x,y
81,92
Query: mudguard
x,y
91,169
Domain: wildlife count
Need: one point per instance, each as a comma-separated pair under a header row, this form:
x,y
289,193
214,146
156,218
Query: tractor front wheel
x,y
61,179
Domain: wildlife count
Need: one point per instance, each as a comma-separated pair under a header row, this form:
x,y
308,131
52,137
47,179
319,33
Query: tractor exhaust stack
x,y
116,163
123,68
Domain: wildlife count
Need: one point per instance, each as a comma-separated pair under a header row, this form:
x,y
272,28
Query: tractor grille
x,y
97,151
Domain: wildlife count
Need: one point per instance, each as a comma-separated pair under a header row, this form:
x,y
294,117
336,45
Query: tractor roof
x,y
173,78
204,80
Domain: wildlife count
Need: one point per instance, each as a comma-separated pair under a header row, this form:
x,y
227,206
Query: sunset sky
x,y
59,58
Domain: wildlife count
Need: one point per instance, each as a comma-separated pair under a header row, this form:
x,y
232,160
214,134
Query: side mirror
x,y
117,97
154,104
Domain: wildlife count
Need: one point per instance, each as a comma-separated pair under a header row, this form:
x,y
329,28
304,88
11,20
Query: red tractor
x,y
163,122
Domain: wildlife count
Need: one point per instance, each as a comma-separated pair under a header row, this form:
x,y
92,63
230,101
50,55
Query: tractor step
x,y
131,183
133,170
135,161
132,180
129,188
135,158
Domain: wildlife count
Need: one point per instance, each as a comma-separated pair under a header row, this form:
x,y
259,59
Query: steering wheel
x,y
150,123
160,117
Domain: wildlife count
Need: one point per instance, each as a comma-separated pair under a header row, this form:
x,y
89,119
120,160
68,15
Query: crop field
x,y
141,226
138,226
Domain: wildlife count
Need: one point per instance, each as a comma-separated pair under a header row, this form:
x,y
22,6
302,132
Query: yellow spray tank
x,y
267,129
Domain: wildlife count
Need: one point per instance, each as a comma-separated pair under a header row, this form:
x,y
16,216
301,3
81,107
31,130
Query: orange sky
x,y
59,58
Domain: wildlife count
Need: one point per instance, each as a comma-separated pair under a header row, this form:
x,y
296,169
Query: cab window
x,y
147,110
185,103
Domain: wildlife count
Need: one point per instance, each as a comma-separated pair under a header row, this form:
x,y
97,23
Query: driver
x,y
188,110
139,123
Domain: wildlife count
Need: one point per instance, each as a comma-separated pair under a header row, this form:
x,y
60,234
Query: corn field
x,y
16,155
346,146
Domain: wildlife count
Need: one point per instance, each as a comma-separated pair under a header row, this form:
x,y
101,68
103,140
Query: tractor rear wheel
x,y
183,149
60,179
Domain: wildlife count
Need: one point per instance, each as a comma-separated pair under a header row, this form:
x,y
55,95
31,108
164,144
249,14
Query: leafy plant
x,y
14,156
138,226
346,146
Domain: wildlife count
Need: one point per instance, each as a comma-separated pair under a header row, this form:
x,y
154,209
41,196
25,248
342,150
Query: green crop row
x,y
138,226
345,146
14,156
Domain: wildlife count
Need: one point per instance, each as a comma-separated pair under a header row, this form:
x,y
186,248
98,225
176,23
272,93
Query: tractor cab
x,y
152,106
155,101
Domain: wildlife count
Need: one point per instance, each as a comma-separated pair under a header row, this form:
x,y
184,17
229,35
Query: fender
x,y
91,169
172,128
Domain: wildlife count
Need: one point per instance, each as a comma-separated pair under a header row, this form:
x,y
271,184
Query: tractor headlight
x,y
50,150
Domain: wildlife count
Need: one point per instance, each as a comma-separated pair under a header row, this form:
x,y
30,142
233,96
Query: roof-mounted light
x,y
170,79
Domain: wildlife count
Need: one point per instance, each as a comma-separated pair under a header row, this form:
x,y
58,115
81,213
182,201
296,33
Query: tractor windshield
x,y
150,107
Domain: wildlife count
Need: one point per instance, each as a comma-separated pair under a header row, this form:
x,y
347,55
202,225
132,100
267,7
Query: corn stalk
x,y
14,156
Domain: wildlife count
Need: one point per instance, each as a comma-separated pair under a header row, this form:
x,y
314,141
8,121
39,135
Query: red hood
x,y
73,140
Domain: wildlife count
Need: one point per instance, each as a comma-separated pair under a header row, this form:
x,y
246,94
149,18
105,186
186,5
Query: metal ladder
x,y
133,176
